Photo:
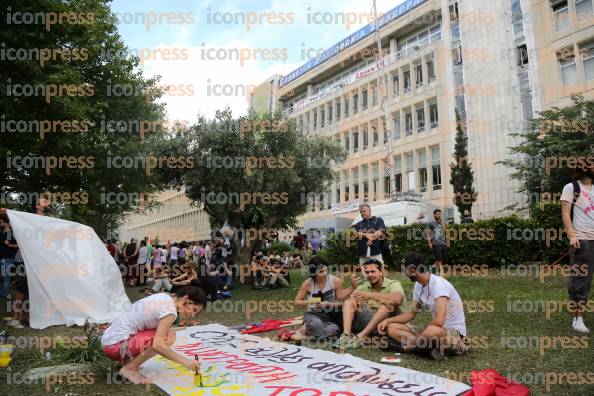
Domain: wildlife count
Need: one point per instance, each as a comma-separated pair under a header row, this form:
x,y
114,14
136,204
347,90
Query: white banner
x,y
72,277
236,364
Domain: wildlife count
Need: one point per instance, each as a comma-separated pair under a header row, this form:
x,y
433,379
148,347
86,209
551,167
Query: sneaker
x,y
342,341
578,325
354,343
435,354
15,324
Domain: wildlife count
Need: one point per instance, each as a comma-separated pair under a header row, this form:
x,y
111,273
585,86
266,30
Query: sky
x,y
210,54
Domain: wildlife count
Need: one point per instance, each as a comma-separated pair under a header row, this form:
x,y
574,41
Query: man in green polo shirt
x,y
377,299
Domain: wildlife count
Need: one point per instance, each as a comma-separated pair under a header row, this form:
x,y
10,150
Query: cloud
x,y
203,84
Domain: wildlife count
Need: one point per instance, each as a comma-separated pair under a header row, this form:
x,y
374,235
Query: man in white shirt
x,y
447,328
577,210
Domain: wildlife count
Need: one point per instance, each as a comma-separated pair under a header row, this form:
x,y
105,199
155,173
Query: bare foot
x,y
133,376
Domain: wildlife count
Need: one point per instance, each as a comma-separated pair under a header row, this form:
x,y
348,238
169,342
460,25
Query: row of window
x,y
413,174
568,64
584,10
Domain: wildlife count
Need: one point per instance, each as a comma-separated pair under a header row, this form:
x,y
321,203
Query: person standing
x,y
143,267
315,245
299,241
130,260
370,235
437,239
467,218
8,248
577,210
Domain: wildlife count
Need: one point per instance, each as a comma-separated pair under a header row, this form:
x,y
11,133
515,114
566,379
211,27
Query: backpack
x,y
576,195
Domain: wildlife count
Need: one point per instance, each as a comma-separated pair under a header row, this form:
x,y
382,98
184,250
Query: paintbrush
x,y
197,376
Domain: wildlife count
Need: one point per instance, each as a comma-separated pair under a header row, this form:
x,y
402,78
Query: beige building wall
x,y
174,220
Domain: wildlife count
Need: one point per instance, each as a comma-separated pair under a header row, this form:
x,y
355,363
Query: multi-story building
x,y
496,63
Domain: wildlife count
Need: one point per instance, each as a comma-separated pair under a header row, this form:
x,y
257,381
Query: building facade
x,y
495,63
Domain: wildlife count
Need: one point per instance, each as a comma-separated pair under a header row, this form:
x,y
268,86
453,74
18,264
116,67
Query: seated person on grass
x,y
189,277
259,272
446,331
279,275
162,281
322,294
296,261
372,302
144,330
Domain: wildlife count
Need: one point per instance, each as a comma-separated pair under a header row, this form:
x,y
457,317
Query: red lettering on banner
x,y
279,389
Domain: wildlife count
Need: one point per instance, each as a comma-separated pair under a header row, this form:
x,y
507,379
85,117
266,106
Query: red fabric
x,y
489,382
136,345
266,325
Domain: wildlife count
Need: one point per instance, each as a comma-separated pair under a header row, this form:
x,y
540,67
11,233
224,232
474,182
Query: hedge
x,y
509,240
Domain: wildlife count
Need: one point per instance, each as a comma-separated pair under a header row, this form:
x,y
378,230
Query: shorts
x,y
131,347
454,341
441,253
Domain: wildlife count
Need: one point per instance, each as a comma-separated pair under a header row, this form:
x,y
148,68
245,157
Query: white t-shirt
x,y
163,255
583,212
142,315
143,255
174,250
439,287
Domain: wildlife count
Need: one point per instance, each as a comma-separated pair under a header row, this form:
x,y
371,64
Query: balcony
x,y
370,70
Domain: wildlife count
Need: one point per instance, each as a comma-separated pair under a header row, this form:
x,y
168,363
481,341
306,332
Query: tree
x,y
552,147
255,174
462,176
79,80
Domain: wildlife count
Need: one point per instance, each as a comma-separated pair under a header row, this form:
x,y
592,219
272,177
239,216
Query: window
x,y
408,120
347,143
455,33
584,10
396,128
323,120
338,110
355,103
365,139
461,106
365,177
522,54
436,168
454,12
373,96
422,170
345,177
330,114
434,115
410,172
395,84
421,119
365,100
430,70
406,81
301,123
588,58
419,74
458,77
387,189
516,7
346,106
518,26
375,137
398,173
356,182
524,82
561,12
315,119
457,54
527,110
375,181
356,141
568,67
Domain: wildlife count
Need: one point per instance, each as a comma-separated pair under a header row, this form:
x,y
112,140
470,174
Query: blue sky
x,y
195,80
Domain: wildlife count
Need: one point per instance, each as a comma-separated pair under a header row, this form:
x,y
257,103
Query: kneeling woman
x,y
144,330
322,294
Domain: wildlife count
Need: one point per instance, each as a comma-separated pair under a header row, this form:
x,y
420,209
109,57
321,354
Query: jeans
x,y
5,268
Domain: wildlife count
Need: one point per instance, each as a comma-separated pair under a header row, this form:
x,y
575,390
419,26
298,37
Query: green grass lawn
x,y
494,329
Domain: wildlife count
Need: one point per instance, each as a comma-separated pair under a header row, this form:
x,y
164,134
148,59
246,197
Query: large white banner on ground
x,y
237,364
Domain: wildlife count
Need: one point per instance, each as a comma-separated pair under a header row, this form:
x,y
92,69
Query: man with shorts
x,y
438,241
371,303
447,329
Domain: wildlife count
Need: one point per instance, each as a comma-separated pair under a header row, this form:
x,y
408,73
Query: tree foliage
x,y
462,177
100,70
552,147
